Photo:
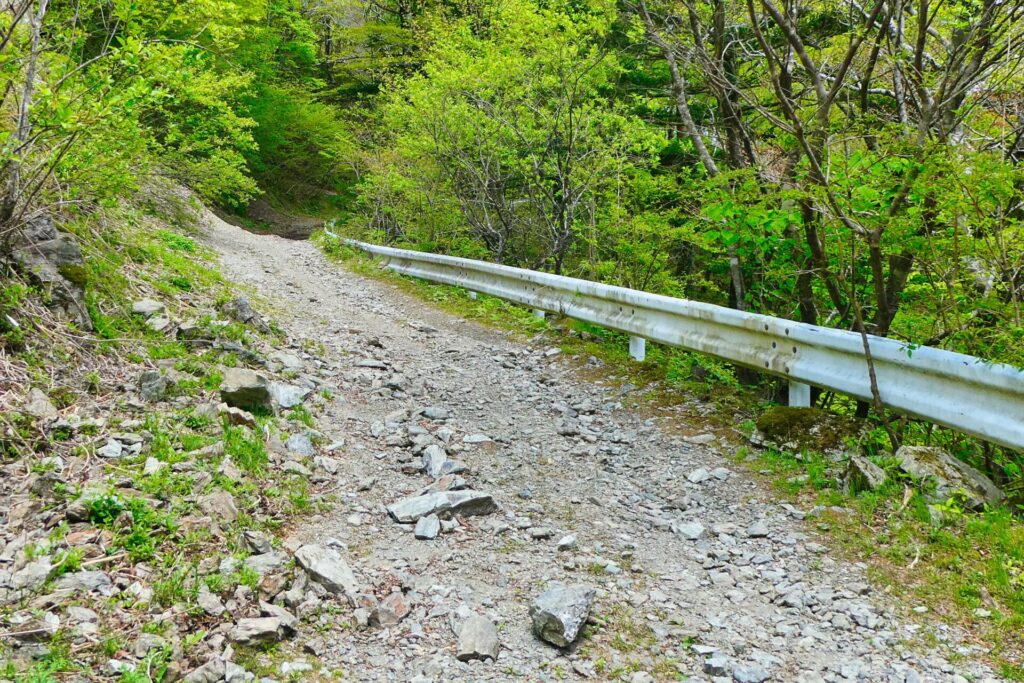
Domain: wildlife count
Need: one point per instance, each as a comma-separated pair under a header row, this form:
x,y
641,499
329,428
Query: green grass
x,y
970,561
247,450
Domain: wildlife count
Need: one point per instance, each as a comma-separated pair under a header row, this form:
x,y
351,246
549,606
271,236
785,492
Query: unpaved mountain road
x,y
753,596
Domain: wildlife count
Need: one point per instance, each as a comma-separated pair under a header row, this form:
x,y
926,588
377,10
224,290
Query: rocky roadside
x,y
490,504
147,484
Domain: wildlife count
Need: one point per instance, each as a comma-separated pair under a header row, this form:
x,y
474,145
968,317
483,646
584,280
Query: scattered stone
x,y
152,386
264,563
717,665
566,542
146,642
256,630
159,323
300,444
291,670
434,459
326,567
288,620
758,530
148,308
478,639
220,506
698,476
286,360
39,406
85,582
236,416
750,674
209,602
246,389
210,672
427,528
391,610
559,612
691,531
33,575
153,466
258,542
720,473
36,628
53,261
862,475
947,477
112,449
442,503
240,310
287,395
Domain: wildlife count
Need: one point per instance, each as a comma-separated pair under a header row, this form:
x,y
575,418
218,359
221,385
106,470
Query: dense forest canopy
x,y
847,163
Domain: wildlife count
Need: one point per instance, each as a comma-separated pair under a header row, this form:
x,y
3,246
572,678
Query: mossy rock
x,y
75,274
810,429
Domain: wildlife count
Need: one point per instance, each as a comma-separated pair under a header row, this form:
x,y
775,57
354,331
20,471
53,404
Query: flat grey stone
x,y
300,444
257,630
287,395
148,307
758,530
427,528
691,531
478,639
326,567
442,503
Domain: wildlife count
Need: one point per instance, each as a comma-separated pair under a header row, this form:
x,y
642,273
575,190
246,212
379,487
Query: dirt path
x,y
752,597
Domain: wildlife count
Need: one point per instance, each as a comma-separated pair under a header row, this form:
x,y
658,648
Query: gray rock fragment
x,y
246,389
945,477
148,308
326,567
478,639
152,386
287,395
256,630
427,528
210,672
300,444
39,406
559,613
691,531
862,475
442,503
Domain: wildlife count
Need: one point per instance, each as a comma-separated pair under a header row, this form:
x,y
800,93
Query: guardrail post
x,y
799,395
472,295
538,314
638,348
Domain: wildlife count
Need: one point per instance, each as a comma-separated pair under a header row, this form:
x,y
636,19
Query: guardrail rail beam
x,y
962,392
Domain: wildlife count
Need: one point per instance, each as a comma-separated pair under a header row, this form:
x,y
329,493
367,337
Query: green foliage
x,y
246,449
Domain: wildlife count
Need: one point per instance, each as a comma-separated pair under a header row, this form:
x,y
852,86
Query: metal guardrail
x,y
959,391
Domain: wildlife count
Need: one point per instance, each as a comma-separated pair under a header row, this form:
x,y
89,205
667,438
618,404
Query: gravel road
x,y
699,573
